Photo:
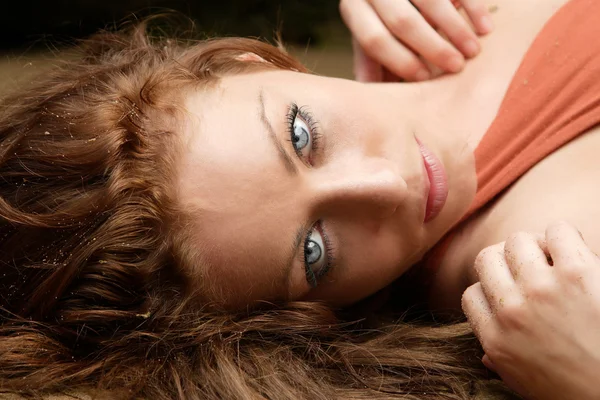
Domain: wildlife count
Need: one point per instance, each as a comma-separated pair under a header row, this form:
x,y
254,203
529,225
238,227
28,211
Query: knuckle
x,y
402,23
485,257
470,300
517,237
556,227
468,296
457,31
373,42
462,32
479,8
512,314
540,290
446,55
410,68
574,272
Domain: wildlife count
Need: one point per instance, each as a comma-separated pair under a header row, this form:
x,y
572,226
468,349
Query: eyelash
x,y
295,111
302,112
311,277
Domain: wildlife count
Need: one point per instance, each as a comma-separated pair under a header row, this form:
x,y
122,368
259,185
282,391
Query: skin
x,y
538,320
365,183
405,38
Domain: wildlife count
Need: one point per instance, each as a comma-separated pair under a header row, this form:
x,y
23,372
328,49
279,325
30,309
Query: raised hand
x,y
399,35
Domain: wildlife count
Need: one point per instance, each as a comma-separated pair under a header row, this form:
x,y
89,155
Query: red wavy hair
x,y
93,253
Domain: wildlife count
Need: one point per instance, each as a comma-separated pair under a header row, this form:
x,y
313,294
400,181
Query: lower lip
x,y
438,183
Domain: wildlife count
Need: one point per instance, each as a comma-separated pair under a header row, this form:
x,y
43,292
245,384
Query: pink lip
x,y
436,185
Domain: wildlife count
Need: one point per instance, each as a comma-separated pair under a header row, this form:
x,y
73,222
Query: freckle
x,y
493,8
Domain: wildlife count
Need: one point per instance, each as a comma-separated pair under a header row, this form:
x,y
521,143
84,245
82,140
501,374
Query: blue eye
x,y
316,255
303,132
301,137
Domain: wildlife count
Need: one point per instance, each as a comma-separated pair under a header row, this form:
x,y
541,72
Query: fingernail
x,y
471,48
486,24
455,64
422,75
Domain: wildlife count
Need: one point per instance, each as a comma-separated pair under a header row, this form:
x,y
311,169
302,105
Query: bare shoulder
x,y
565,185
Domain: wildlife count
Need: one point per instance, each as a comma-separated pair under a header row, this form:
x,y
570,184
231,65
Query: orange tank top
x,y
553,98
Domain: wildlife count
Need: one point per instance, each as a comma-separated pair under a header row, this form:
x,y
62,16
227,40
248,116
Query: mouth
x,y
436,185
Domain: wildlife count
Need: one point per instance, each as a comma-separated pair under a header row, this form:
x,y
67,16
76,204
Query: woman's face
x,y
305,187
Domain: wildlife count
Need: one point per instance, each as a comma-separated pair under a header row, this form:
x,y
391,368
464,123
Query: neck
x,y
443,110
448,107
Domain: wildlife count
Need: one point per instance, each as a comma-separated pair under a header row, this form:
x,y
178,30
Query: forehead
x,y
233,182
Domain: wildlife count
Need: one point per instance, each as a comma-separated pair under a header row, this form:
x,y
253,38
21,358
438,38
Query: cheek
x,y
368,262
366,132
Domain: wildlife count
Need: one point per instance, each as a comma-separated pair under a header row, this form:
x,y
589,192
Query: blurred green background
x,y
33,33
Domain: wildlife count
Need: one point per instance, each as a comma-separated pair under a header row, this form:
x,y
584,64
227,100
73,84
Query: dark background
x,y
34,23
36,34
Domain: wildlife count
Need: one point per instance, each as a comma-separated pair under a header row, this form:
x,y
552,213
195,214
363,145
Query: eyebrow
x,y
291,167
289,164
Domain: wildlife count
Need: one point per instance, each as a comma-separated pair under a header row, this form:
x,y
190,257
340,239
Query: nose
x,y
375,187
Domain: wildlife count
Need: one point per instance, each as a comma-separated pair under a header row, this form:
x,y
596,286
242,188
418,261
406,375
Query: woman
x,y
101,284
139,256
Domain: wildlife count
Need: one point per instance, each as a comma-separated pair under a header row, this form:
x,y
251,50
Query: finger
x,y
365,68
476,309
566,245
489,364
482,322
443,15
494,275
410,27
390,77
573,260
378,43
525,255
479,15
